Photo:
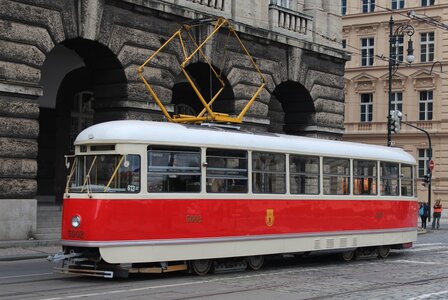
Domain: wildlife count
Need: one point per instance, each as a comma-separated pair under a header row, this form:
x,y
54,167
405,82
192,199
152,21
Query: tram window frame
x,y
340,186
227,170
387,178
268,169
169,177
107,173
303,171
365,181
408,179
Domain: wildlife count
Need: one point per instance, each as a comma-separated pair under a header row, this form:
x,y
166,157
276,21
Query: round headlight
x,y
76,221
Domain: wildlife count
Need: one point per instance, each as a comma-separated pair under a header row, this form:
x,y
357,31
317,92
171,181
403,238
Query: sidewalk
x,y
28,249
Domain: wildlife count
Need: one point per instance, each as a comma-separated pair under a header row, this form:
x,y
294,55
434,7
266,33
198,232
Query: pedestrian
x,y
436,215
423,213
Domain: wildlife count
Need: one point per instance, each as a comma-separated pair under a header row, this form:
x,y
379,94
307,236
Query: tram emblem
x,y
269,217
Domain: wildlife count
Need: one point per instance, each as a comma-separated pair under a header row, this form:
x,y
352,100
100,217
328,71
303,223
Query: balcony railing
x,y
280,17
364,126
427,125
217,4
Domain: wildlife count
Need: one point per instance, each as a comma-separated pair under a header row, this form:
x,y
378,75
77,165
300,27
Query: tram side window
x,y
364,177
226,171
304,174
174,169
389,179
336,173
407,180
268,173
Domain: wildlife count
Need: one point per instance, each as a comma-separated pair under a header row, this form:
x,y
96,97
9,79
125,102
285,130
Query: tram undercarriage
x,y
88,262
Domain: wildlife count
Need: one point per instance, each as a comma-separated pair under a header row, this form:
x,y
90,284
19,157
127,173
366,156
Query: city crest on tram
x,y
269,217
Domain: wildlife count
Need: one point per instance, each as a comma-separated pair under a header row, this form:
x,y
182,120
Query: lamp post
x,y
400,31
428,170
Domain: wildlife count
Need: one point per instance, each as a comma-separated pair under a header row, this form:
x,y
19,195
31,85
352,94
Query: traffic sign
x,y
431,165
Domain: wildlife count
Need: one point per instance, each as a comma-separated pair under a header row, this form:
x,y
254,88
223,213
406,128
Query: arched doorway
x,y
186,101
80,78
291,109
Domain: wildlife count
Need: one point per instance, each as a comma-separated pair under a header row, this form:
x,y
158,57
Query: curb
x,y
29,243
23,257
28,246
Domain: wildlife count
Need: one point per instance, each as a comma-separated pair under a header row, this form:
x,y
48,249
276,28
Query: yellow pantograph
x,y
207,114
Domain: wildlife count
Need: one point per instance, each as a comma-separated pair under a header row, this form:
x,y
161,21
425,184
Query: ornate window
x,y
397,101
397,4
343,7
425,105
368,6
398,48
427,2
282,3
423,155
367,51
366,107
426,46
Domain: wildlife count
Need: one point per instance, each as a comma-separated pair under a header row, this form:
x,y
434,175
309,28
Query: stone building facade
x,y
65,65
419,90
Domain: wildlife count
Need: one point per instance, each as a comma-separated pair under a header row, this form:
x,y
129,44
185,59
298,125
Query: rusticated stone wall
x,y
115,37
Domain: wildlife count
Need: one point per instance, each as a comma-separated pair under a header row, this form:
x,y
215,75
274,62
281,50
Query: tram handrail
x,y
114,174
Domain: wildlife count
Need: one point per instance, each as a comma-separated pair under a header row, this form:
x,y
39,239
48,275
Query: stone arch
x,y
82,82
291,109
184,96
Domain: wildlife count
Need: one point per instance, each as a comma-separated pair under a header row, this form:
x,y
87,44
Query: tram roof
x,y
149,132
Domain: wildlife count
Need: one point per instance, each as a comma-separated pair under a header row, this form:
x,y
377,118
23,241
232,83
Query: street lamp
x,y
394,63
428,176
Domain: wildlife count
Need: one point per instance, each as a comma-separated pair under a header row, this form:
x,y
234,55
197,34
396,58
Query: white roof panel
x,y
148,132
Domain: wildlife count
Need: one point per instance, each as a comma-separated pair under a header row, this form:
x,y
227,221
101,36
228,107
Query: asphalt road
x,y
417,273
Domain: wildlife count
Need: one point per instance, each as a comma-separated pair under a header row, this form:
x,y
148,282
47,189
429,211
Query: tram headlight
x,y
76,221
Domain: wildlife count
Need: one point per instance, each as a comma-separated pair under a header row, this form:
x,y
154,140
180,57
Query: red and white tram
x,y
155,196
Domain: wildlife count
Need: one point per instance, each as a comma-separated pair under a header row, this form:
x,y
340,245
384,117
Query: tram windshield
x,y
105,174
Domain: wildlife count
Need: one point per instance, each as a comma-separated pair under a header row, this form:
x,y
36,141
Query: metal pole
x,y
391,63
429,172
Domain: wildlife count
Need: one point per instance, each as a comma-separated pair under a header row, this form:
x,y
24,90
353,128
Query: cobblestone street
x,y
417,273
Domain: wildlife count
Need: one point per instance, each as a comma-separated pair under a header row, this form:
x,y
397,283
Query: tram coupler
x,y
60,256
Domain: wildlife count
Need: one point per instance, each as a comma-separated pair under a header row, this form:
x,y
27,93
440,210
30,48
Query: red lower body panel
x,y
156,219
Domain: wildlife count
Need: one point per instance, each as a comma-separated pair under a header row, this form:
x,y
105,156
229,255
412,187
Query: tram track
x,y
290,276
382,287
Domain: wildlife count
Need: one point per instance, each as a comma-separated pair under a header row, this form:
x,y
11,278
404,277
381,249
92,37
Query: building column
x,y
19,130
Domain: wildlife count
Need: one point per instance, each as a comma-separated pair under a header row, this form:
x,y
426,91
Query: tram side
x,y
181,197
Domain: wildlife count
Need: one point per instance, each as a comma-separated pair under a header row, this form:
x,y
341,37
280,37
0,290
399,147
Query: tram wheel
x,y
201,266
255,262
383,251
347,255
